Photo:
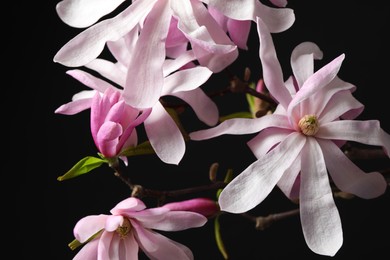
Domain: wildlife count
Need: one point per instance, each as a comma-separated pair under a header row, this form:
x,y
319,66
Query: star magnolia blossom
x,y
212,46
299,144
132,226
162,131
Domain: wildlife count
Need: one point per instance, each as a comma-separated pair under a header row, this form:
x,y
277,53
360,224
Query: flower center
x,y
124,229
309,124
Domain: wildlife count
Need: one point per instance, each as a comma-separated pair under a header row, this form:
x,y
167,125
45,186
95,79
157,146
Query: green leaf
x,y
218,238
243,114
141,149
85,165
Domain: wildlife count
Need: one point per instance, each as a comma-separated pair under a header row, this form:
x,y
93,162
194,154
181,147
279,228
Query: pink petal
x,y
90,80
74,107
83,13
365,132
87,45
108,246
164,135
299,105
177,220
203,106
348,177
267,139
113,222
131,248
240,126
144,80
289,182
239,32
320,218
272,71
171,65
129,204
254,184
89,226
302,61
185,80
107,138
164,248
89,251
279,3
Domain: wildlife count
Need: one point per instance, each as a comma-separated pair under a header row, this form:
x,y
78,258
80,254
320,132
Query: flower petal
x,y
267,139
74,107
83,13
164,135
254,184
165,248
129,204
89,226
177,220
89,251
348,177
87,45
240,126
320,218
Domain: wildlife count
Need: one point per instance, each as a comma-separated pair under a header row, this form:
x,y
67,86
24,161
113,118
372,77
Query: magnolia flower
x,y
210,43
299,144
113,123
132,226
162,131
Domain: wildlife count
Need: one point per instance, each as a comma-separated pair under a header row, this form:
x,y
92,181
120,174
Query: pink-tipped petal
x,y
74,107
177,220
129,204
89,226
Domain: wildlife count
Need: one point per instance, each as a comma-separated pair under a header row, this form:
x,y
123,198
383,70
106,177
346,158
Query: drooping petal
x,y
164,135
240,126
320,218
366,132
83,13
254,184
177,220
348,177
89,251
272,71
185,80
87,45
165,248
89,226
144,80
302,60
204,107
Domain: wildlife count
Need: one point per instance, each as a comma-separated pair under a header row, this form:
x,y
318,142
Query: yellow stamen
x,y
309,124
124,229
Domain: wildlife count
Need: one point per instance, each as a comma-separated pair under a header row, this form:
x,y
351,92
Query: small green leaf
x,y
75,243
85,165
243,114
218,238
141,149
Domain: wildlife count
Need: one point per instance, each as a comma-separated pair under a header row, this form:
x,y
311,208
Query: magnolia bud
x,y
204,206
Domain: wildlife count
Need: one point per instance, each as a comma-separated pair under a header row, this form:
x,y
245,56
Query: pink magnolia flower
x,y
162,131
113,122
131,227
210,43
299,144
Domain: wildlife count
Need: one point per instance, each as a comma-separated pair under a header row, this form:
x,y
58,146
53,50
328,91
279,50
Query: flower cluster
x,y
161,49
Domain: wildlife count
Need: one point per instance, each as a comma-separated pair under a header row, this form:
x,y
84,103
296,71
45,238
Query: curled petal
x,y
129,204
89,226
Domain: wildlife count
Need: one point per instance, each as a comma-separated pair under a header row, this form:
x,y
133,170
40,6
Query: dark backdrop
x,y
51,143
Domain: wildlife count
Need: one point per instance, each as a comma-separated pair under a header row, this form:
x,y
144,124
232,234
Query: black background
x,y
51,144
